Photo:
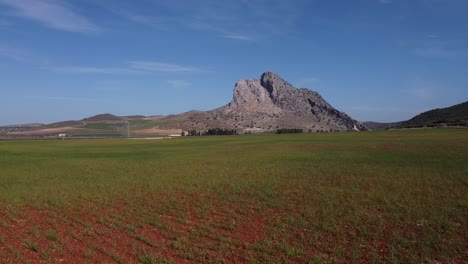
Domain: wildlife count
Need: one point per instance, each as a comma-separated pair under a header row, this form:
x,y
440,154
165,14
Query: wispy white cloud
x,y
178,83
168,23
154,66
145,20
98,70
441,53
238,37
133,67
51,13
237,20
162,23
386,1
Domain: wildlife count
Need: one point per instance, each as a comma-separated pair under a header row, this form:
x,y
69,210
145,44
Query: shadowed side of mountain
x,y
452,115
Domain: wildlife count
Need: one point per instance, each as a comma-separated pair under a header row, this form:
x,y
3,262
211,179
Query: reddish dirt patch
x,y
157,131
87,233
251,230
40,236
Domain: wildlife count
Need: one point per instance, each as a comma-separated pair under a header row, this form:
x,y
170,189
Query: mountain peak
x,y
269,74
274,83
273,96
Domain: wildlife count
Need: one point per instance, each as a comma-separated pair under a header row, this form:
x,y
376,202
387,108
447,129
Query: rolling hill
x,y
456,115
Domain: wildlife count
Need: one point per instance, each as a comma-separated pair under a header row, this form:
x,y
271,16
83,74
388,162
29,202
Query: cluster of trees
x,y
211,132
289,130
438,123
220,132
191,133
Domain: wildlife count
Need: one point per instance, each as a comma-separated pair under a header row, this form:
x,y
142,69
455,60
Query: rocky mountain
x,y
453,115
269,103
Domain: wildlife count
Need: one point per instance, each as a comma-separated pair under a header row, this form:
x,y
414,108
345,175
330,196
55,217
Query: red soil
x,y
88,233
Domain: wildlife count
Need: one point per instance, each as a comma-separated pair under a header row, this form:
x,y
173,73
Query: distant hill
x,y
456,115
104,118
380,126
65,124
134,117
31,125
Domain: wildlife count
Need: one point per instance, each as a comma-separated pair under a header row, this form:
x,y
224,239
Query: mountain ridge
x,y
258,105
451,115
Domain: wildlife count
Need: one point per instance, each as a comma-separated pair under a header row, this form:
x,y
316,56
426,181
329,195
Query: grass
x,y
141,124
32,245
52,235
97,134
392,196
103,130
104,126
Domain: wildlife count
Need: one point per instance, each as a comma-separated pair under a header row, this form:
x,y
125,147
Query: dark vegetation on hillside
x,y
211,132
456,115
289,131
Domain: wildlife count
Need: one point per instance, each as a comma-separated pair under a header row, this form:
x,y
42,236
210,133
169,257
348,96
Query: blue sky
x,y
379,60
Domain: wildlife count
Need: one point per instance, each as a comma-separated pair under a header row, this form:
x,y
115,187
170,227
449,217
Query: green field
x,y
367,197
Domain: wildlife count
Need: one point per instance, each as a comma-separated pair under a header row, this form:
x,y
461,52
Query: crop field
x,y
367,197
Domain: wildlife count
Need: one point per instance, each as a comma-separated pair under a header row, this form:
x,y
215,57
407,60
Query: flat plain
x,y
367,197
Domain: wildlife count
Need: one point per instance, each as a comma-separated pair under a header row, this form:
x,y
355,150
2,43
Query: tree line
x,y
289,130
222,132
211,132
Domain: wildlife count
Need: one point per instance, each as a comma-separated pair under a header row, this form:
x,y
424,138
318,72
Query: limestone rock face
x,y
283,94
250,92
272,102
267,104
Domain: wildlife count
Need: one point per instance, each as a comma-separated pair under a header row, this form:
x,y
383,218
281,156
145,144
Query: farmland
x,y
372,197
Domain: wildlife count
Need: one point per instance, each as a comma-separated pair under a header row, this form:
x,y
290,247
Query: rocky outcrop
x,y
250,92
272,102
251,96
